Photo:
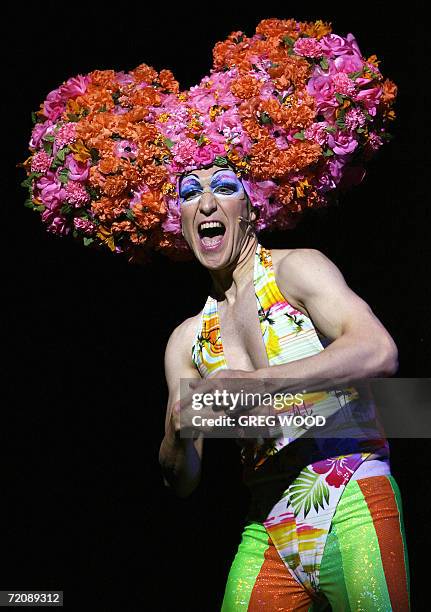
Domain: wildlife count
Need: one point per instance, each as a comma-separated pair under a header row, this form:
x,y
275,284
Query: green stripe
x,y
360,572
245,568
331,580
398,500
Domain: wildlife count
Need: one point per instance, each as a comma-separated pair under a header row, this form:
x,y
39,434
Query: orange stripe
x,y
383,508
275,588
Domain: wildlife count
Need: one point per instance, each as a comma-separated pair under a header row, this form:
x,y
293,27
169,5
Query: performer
x,y
284,122
325,525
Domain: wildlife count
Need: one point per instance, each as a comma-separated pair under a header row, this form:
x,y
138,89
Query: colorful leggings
x,y
364,565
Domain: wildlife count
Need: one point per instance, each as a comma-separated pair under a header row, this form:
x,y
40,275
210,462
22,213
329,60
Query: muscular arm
x,y
180,459
361,346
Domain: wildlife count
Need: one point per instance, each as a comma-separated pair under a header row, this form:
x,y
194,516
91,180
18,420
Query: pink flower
x,y
41,162
54,105
59,226
322,89
172,222
336,169
338,470
78,171
51,190
354,118
317,132
76,194
369,98
204,156
84,225
308,47
65,135
126,148
342,143
347,64
332,44
184,153
76,86
39,131
342,84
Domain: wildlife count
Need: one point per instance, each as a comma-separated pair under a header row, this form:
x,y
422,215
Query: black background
x,y
85,508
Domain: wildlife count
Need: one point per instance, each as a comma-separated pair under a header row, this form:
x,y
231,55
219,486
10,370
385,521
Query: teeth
x,y
208,224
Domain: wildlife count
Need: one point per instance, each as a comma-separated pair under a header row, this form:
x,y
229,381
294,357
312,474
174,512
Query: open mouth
x,y
211,233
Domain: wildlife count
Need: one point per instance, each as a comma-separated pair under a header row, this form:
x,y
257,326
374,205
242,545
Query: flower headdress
x,y
295,110
95,169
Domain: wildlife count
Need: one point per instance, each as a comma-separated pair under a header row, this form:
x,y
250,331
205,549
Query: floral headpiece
x,y
295,110
96,167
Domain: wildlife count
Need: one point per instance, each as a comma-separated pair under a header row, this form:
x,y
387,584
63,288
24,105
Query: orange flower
x,y
109,165
144,73
103,79
168,81
315,29
246,87
278,28
115,185
389,92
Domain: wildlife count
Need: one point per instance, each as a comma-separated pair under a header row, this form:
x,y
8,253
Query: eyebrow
x,y
216,172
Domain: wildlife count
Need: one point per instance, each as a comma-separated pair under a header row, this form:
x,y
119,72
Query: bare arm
x,y
361,346
180,459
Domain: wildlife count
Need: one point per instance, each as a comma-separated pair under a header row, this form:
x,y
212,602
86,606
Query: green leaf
x,y
66,209
29,204
72,117
324,63
340,99
299,135
48,138
115,96
94,155
88,241
330,129
355,75
201,140
265,119
169,143
34,118
75,234
221,161
129,214
61,154
63,176
47,147
29,180
102,109
328,153
360,130
289,42
40,208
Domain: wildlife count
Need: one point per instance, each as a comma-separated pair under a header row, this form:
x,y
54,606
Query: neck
x,y
227,283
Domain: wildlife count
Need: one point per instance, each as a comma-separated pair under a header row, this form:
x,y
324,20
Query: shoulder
x,y
182,336
302,272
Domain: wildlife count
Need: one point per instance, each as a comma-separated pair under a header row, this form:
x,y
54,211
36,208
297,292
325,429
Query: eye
x,y
190,194
226,189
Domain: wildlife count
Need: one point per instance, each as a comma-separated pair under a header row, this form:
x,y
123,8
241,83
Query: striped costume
x,y
325,523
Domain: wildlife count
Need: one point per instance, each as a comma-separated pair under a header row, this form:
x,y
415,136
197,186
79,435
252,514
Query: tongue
x,y
212,241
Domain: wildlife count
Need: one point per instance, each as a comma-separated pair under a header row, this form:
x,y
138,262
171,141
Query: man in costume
x,y
285,120
279,123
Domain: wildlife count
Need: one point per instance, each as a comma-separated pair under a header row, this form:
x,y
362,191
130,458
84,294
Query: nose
x,y
207,202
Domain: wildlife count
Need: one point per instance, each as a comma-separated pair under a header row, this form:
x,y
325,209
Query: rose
x,y
342,143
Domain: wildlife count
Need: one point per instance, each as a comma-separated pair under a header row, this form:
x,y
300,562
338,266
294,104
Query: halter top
x,y
288,335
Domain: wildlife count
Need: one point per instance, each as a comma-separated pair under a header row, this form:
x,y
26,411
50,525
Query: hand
x,y
217,399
